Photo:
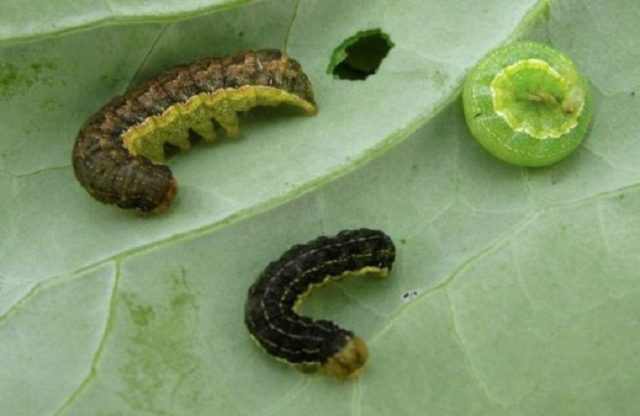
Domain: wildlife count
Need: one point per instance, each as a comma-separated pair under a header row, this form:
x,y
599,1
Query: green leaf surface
x,y
527,279
34,19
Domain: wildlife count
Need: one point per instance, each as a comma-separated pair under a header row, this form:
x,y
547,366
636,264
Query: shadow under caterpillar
x,y
271,309
119,152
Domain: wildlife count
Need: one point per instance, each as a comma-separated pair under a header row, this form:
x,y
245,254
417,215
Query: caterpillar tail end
x,y
349,361
169,196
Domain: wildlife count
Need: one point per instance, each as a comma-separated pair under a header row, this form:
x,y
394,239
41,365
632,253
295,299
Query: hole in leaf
x,y
360,55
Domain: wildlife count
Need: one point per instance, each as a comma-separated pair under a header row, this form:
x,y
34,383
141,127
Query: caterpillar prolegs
x,y
119,152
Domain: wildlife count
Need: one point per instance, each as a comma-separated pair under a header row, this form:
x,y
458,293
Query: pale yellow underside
x,y
375,271
148,138
502,101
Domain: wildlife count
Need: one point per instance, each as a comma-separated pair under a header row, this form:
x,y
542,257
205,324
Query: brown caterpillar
x,y
271,309
120,151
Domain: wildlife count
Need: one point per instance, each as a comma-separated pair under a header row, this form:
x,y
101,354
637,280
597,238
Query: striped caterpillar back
x,y
120,151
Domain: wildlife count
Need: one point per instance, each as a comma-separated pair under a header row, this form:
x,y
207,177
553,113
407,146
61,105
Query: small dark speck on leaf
x,y
633,93
439,78
477,115
409,295
555,177
403,241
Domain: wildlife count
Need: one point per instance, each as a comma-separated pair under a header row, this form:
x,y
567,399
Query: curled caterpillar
x,y
119,152
271,309
527,104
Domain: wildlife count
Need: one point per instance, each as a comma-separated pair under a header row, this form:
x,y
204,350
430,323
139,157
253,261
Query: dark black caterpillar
x,y
119,152
270,312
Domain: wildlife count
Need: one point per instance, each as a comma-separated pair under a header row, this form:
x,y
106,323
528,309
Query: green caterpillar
x,y
527,104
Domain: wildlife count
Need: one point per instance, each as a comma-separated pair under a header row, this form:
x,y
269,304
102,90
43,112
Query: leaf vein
x,y
471,370
93,370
